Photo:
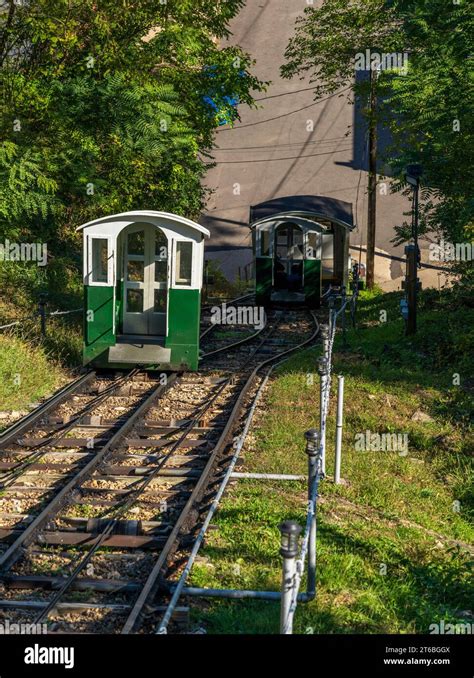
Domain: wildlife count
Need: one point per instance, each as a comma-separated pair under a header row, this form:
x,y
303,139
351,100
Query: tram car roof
x,y
140,215
319,206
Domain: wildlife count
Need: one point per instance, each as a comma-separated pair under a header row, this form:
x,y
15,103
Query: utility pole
x,y
413,177
411,286
372,185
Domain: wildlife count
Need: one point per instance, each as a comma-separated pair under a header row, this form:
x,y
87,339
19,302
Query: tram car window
x,y
143,274
301,246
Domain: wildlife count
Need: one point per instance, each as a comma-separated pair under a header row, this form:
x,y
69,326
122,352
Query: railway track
x,y
103,490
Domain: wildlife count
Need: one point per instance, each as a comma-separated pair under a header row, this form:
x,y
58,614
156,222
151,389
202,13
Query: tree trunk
x,y
372,186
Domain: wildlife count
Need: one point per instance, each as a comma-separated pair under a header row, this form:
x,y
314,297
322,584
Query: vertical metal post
x,y
323,375
312,450
355,290
290,531
331,314
324,332
343,313
339,422
411,284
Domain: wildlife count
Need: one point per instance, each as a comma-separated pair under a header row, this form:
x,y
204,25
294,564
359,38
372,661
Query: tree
x,y
433,117
326,43
103,108
427,106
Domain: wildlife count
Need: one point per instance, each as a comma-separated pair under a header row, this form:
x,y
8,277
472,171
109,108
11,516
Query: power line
x,y
294,157
284,115
284,94
290,144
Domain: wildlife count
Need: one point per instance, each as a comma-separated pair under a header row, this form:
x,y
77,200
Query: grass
x,y
388,559
32,366
26,373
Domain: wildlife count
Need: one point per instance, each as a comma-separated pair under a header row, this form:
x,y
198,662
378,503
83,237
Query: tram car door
x,y
288,274
145,289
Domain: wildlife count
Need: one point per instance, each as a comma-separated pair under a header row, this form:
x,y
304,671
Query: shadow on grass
x,y
414,594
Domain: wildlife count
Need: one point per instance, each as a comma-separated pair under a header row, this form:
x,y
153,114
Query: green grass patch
x,y
391,541
27,373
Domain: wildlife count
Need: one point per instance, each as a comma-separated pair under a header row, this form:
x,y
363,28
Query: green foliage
x,y
26,372
102,109
26,192
327,39
421,108
432,119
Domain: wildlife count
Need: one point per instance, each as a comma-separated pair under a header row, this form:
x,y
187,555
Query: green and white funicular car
x,y
143,275
301,246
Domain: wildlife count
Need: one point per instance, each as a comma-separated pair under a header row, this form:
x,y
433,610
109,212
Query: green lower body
x,y
184,310
312,281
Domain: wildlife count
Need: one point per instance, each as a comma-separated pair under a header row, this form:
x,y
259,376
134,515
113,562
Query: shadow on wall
x,y
231,261
360,159
396,270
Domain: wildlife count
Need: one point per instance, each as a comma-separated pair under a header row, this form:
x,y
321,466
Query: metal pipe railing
x,y
293,567
339,422
290,597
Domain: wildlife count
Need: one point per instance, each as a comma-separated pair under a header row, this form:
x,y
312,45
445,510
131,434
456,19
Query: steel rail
x,y
135,493
162,628
228,347
210,306
14,552
22,425
38,451
178,589
151,585
211,327
228,301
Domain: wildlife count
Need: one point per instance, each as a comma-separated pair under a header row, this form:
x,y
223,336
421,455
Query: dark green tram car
x,y
142,291
301,246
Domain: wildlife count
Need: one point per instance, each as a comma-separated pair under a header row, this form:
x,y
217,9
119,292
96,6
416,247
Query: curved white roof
x,y
140,214
307,224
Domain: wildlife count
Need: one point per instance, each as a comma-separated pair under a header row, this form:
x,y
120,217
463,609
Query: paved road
x,y
271,153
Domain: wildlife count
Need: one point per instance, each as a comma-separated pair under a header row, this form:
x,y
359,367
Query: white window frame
x,y
191,284
110,261
319,250
270,229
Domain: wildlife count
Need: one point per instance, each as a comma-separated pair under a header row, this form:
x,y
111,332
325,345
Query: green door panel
x,y
99,300
263,279
184,314
312,282
184,310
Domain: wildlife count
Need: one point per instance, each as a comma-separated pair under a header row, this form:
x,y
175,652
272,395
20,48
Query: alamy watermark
x,y
448,251
382,61
238,315
382,442
22,629
25,251
449,629
38,654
